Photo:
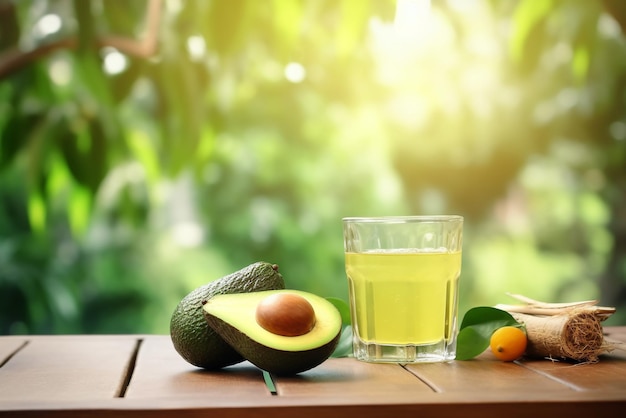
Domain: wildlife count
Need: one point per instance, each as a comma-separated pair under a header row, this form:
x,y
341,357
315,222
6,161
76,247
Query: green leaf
x,y
287,25
581,62
477,327
85,152
344,347
343,308
354,25
145,152
86,26
528,14
16,128
79,208
37,212
470,343
485,315
227,25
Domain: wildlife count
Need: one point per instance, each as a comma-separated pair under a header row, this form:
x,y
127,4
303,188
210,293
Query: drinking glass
x,y
403,275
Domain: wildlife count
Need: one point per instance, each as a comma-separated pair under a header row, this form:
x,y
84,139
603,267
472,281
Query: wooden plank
x,y
161,373
349,377
164,385
64,368
482,374
617,337
486,373
608,373
452,404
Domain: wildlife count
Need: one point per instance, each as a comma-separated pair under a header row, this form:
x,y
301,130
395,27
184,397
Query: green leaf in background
x,y
240,164
476,328
37,212
581,62
344,347
528,14
287,15
343,308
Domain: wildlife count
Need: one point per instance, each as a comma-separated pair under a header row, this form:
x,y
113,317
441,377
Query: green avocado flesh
x,y
193,339
234,318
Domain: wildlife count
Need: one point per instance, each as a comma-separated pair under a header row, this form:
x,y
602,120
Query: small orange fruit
x,y
508,343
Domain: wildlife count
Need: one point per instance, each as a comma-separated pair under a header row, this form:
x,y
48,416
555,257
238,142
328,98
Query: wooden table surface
x,y
142,376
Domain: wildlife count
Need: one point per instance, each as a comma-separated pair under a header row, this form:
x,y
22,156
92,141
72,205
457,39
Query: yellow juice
x,y
406,297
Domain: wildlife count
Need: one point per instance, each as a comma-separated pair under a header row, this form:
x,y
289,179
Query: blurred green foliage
x,y
129,174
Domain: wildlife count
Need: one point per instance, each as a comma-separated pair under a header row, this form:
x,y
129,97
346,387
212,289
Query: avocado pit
x,y
285,314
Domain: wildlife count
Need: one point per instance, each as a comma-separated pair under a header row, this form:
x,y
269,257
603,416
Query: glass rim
x,y
407,218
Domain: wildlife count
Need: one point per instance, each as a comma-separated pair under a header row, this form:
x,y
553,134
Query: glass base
x,y
442,351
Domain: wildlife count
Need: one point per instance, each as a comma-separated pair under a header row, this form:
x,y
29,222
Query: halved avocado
x,y
193,339
234,318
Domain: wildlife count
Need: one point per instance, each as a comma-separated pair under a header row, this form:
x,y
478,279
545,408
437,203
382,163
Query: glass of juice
x,y
403,279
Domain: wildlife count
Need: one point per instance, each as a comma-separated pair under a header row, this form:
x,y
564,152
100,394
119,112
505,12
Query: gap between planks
x,y
432,386
570,385
13,353
130,369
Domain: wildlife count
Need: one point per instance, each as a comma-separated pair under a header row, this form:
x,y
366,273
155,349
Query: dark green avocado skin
x,y
271,360
193,339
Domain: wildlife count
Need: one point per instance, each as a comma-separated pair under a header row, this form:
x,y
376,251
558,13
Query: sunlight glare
x,y
48,25
188,234
114,61
196,46
412,19
608,27
60,72
295,72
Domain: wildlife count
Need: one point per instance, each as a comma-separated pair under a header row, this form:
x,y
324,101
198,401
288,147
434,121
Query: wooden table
x,y
142,376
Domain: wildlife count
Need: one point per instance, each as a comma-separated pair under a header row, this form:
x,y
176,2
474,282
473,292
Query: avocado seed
x,y
285,314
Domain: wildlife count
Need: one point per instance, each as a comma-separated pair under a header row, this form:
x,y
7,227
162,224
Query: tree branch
x,y
14,59
146,47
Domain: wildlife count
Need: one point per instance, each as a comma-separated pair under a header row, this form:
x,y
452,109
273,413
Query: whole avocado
x,y
193,339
